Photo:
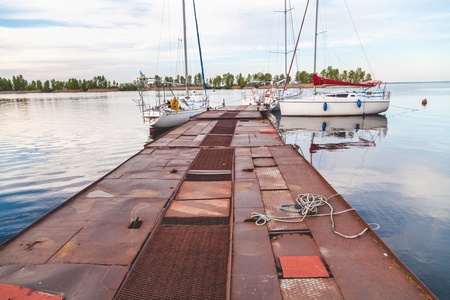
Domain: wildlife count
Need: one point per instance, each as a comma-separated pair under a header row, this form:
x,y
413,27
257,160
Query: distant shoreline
x,y
175,88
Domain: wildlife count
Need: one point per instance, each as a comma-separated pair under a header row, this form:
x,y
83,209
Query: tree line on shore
x,y
227,81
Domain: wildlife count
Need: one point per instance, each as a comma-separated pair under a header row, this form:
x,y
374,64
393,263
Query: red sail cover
x,y
320,81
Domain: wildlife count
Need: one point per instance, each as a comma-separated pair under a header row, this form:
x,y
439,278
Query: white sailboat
x,y
347,103
177,110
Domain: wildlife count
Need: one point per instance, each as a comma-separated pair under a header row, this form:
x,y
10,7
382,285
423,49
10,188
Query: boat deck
x,y
174,222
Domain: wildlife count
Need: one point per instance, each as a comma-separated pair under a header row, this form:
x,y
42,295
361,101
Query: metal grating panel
x,y
217,140
272,204
310,288
214,159
181,262
222,130
270,178
208,177
226,123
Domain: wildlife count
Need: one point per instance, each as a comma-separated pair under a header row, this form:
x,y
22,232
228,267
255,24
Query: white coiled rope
x,y
309,204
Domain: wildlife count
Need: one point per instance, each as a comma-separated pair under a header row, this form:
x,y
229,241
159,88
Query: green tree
x,y
217,81
157,81
228,80
57,85
258,76
39,85
46,87
73,84
344,75
198,80
5,84
240,80
267,78
368,77
19,83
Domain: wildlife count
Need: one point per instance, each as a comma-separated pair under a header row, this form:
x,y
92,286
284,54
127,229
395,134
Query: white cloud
x,y
116,38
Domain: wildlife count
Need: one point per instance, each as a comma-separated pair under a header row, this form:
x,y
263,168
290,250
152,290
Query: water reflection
x,y
312,135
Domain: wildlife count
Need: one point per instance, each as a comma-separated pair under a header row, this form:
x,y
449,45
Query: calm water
x,y
393,168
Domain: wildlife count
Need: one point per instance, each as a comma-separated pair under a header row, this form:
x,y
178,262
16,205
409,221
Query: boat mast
x,y
285,40
315,42
185,53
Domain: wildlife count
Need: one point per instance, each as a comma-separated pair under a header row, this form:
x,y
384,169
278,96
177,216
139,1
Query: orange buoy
x,y
424,102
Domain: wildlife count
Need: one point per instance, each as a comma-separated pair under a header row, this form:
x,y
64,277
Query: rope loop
x,y
307,206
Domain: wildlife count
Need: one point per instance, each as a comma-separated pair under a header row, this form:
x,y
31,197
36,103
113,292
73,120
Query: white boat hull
x,y
321,105
172,119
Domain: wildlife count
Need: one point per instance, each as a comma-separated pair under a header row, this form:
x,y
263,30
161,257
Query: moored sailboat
x,y
346,103
169,113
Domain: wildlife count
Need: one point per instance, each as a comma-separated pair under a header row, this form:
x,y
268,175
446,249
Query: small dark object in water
x,y
424,102
174,171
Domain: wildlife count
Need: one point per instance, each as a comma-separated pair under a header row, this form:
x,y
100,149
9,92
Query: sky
x,y
396,41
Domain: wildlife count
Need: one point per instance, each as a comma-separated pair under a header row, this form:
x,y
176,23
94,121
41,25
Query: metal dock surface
x,y
174,222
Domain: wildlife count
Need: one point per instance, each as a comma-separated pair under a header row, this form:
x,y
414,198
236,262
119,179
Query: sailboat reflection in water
x,y
318,134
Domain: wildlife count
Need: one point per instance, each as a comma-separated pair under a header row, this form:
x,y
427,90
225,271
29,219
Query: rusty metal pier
x,y
174,222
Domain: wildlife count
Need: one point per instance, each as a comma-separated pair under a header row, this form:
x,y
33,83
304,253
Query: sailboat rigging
x,y
170,113
272,96
361,102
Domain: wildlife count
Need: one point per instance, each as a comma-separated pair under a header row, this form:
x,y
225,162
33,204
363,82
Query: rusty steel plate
x,y
246,193
242,151
249,114
242,107
37,245
182,141
240,141
195,190
261,152
178,153
270,178
111,242
199,208
310,288
273,201
251,248
181,262
244,167
214,159
264,162
229,115
254,123
302,267
132,187
230,123
258,141
74,281
216,140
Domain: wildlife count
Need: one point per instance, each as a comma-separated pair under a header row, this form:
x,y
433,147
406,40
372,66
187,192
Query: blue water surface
x,y
394,168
